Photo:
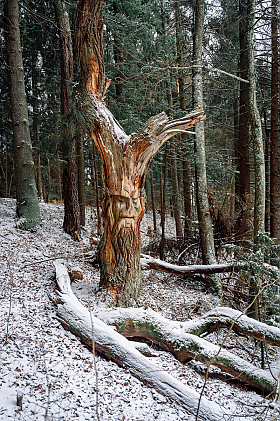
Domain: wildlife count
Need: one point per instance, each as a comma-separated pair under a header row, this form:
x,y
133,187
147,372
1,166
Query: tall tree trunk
x,y
153,202
163,203
259,162
125,159
174,170
243,183
36,127
27,196
184,136
81,177
204,218
274,174
71,224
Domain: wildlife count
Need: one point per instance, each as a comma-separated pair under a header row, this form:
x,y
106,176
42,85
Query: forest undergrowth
x,y
53,371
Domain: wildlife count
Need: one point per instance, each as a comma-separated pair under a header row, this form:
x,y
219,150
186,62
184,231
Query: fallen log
x,y
180,339
152,263
109,343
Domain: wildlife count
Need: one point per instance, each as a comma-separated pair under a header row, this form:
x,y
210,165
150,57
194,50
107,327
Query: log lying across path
x,y
190,270
180,338
109,343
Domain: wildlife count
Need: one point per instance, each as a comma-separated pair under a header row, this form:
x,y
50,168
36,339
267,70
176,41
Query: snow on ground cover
x,y
50,366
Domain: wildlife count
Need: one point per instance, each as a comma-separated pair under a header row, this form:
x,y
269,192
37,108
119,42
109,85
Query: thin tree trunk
x,y
71,224
274,173
81,177
184,136
36,127
259,162
162,204
153,202
244,230
27,196
204,218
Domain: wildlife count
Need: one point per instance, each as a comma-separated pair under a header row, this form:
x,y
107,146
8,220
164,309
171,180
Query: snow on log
x,y
109,343
149,262
175,337
240,323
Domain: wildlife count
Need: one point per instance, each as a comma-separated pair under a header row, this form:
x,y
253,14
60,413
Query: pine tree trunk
x,y
204,218
162,204
81,178
27,196
71,222
184,136
244,230
274,173
259,162
153,202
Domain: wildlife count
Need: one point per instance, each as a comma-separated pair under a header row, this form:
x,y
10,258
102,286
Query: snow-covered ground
x,y
55,373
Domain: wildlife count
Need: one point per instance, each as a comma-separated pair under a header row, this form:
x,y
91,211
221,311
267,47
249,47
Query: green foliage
x,y
262,261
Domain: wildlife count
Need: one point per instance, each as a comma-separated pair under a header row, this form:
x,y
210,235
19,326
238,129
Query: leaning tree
x,y
125,160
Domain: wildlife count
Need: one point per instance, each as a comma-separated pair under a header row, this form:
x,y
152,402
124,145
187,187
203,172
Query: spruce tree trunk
x,y
162,203
81,177
71,224
204,218
244,230
153,202
27,197
184,136
259,162
125,160
274,173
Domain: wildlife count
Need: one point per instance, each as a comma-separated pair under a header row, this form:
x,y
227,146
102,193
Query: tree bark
x,y
81,177
259,161
153,202
274,173
204,218
71,224
27,197
184,136
162,204
125,159
244,230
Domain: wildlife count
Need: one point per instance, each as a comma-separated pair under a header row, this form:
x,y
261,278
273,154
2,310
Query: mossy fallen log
x,y
180,338
109,343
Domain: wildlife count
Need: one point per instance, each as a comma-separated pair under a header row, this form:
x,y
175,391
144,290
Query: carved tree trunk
x,y
125,159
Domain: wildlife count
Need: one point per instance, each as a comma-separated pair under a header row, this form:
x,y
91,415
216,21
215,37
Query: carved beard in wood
x,y
127,213
123,215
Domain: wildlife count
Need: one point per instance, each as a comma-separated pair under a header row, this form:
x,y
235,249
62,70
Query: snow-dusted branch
x,y
152,263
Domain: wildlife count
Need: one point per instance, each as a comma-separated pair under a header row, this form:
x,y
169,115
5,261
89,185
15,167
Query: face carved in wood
x,y
126,210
